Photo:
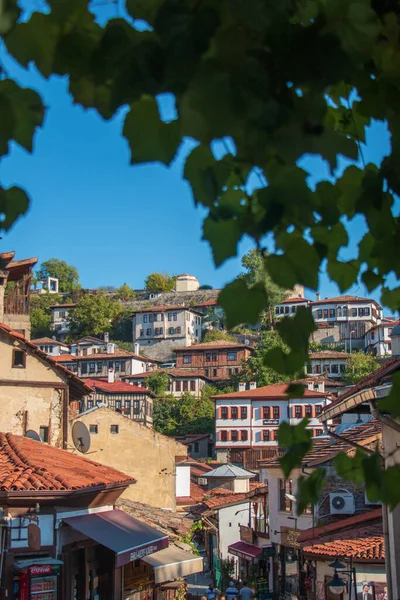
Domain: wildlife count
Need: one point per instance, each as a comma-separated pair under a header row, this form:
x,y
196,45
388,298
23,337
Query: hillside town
x,y
103,498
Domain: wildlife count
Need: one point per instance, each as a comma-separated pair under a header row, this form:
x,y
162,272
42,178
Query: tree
x,y
158,382
40,314
255,272
215,335
160,282
67,275
94,314
253,112
187,414
206,287
166,415
359,365
125,293
256,368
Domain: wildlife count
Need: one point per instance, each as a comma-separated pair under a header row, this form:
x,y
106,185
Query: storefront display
x,y
37,580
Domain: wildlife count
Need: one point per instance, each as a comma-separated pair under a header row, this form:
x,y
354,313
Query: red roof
x,y
173,372
293,300
317,532
384,323
27,465
101,355
220,497
222,345
345,299
47,341
321,354
117,387
164,308
277,391
68,305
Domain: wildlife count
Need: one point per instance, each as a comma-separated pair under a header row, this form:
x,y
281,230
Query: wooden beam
x,y
38,384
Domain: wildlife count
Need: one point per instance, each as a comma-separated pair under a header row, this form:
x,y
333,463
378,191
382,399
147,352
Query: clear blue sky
x,y
114,222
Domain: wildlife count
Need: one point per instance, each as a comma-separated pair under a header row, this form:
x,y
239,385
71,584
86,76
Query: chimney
x,y
106,337
136,348
318,296
253,385
111,376
110,348
242,387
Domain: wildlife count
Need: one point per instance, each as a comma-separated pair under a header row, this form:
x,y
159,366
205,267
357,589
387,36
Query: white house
x,y
59,319
180,380
51,347
251,418
378,339
289,306
395,337
331,362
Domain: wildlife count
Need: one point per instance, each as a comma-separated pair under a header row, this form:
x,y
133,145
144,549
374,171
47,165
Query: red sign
x,y
40,569
141,552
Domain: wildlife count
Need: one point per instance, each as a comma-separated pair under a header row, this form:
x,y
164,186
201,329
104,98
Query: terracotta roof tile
x,y
328,354
221,345
117,387
340,525
348,299
27,465
103,355
294,300
47,340
172,523
277,391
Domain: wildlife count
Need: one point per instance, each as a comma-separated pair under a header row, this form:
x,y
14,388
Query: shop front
x,y
253,564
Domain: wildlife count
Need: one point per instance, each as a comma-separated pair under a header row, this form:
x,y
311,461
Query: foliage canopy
x,y
94,314
67,275
160,282
359,365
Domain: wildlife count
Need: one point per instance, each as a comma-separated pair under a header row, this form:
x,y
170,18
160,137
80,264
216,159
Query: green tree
x,y
166,415
206,287
197,414
255,272
40,314
158,382
122,345
359,365
160,282
125,293
67,275
215,335
94,314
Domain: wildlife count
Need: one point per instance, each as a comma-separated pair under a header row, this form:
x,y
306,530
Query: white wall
x,y
182,481
229,526
46,524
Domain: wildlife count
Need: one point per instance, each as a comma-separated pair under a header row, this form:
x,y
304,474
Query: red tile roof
x,y
47,340
294,300
321,354
324,450
384,323
117,387
222,345
345,299
49,359
277,391
220,497
339,525
27,465
101,355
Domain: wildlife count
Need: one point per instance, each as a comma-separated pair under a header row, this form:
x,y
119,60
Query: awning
x,y
245,551
172,563
128,537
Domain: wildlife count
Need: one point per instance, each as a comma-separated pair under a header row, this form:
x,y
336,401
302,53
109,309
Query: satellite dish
x,y
81,437
33,435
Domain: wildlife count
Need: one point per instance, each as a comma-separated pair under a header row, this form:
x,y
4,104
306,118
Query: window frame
x,y
23,356
93,428
114,429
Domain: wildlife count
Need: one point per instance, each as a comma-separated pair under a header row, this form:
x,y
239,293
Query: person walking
x,y
211,593
246,593
231,592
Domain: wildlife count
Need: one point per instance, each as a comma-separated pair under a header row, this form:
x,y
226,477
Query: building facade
x,y
378,339
59,319
215,360
51,347
250,419
180,381
160,330
330,362
289,306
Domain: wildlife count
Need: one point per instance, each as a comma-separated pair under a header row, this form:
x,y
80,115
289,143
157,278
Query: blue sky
x,y
114,222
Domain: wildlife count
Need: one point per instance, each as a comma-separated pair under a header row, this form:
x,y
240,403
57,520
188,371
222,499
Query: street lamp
x,y
337,585
351,333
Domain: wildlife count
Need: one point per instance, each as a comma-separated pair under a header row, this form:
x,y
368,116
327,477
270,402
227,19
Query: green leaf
x,y
9,13
371,280
373,473
390,492
242,304
299,263
298,441
14,203
344,273
223,236
295,331
295,390
391,404
350,468
309,489
145,10
391,298
206,175
149,138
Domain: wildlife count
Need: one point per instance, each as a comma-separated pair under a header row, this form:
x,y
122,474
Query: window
x,y
339,311
114,428
215,372
83,368
161,316
325,313
214,356
196,446
318,410
118,404
236,370
141,334
360,312
366,312
234,412
110,364
91,367
285,487
144,318
276,412
345,311
93,429
175,315
155,317
178,330
136,407
156,330
265,435
331,313
297,412
223,436
19,359
234,435
277,310
232,355
342,368
148,331
99,366
317,368
318,432
117,365
265,412
243,435
185,386
127,405
74,367
286,310
281,310
169,316
275,435
192,386
224,412
44,433
206,372
308,411
90,404
319,314
353,312
243,412
150,318
229,371
62,314
208,356
187,359
293,309
334,368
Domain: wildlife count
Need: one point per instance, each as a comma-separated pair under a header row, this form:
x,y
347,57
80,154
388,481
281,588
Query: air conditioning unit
x,y
341,503
368,502
202,481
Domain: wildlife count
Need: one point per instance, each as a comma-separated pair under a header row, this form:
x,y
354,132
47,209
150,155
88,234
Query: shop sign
x,y
34,537
40,569
137,553
270,421
246,534
289,537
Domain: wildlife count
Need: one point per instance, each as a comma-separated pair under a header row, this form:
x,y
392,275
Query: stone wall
x,y
161,349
